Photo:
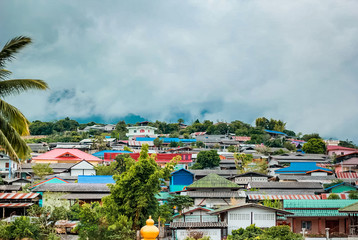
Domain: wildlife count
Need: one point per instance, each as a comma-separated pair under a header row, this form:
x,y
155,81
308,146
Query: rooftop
x,y
213,181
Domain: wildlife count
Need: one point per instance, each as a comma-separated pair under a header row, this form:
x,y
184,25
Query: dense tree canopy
x,y
207,159
314,145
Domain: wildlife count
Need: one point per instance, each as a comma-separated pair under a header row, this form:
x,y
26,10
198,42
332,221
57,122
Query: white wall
x,y
214,234
241,217
76,172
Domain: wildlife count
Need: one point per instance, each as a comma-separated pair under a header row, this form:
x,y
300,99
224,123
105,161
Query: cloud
x,y
227,60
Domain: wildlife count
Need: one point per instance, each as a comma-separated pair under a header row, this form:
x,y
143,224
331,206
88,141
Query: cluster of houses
x,y
224,199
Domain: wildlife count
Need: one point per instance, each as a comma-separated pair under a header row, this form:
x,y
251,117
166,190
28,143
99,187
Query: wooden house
x,y
180,179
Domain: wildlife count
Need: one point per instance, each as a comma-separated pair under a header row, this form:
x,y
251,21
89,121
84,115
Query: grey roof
x,y
202,194
223,173
73,187
7,180
283,192
306,178
10,187
302,157
249,205
85,196
286,185
198,225
253,174
57,167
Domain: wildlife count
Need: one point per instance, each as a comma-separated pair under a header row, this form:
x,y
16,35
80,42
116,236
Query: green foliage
x,y
282,232
75,211
307,137
110,169
353,195
252,232
272,124
289,133
289,146
165,212
158,142
173,144
347,143
180,202
333,196
272,203
314,145
207,159
232,148
133,194
42,169
200,144
242,160
47,128
22,227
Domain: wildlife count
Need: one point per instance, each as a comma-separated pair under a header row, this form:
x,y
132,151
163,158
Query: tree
x,y
333,196
307,137
180,202
13,124
207,159
314,145
180,121
347,143
42,169
232,149
158,142
133,194
353,195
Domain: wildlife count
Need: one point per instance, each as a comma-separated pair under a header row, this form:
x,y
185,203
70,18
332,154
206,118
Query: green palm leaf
x,y
11,141
12,47
16,86
14,117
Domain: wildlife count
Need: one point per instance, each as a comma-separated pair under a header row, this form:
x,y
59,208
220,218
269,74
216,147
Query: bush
x,y
334,196
353,195
22,227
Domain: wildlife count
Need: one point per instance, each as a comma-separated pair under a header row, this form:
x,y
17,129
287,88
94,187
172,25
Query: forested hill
x,y
68,129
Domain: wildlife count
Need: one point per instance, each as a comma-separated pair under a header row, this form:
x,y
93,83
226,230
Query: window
x,y
306,224
135,131
7,165
142,131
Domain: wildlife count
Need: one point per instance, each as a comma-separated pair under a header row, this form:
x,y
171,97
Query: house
x,y
200,173
244,179
109,127
141,131
7,166
282,188
352,211
347,156
316,215
66,156
198,219
50,180
297,157
86,192
306,178
214,191
96,179
338,150
17,203
180,179
101,154
304,168
82,168
243,215
341,188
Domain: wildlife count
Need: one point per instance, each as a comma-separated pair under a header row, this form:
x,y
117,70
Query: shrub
x,y
334,196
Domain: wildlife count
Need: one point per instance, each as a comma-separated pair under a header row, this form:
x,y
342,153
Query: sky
x,y
163,60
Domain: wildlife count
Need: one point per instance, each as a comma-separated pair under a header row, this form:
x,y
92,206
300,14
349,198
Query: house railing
x,y
353,230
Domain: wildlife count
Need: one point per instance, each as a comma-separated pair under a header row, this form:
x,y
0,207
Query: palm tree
x,y
13,124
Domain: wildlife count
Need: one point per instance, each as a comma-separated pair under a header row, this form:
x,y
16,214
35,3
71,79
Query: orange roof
x,y
66,154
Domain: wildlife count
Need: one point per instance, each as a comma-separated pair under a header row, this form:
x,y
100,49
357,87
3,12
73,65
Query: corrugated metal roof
x,y
302,167
18,195
353,208
347,175
213,181
316,213
198,224
227,194
85,196
95,179
291,196
314,204
61,154
15,205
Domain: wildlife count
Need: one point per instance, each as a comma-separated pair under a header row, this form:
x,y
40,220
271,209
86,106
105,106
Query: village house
x,y
214,191
198,219
180,179
352,211
243,215
66,156
334,151
244,179
141,131
316,215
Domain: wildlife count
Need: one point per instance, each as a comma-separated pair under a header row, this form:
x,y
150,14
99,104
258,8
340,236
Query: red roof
x,y
18,195
287,196
160,157
66,154
332,148
14,205
347,175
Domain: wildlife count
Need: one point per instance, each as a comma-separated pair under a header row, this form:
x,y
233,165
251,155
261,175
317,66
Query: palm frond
x,y
16,86
4,74
14,117
12,47
12,142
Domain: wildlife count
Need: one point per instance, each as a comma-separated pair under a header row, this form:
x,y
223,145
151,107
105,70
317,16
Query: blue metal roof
x,y
276,132
95,179
182,170
301,167
166,140
101,153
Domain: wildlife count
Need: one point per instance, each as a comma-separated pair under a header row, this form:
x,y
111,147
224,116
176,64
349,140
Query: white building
x,y
7,166
243,215
141,131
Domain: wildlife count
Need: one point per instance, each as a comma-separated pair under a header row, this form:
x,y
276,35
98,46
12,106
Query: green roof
x,y
317,204
350,208
317,208
213,181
